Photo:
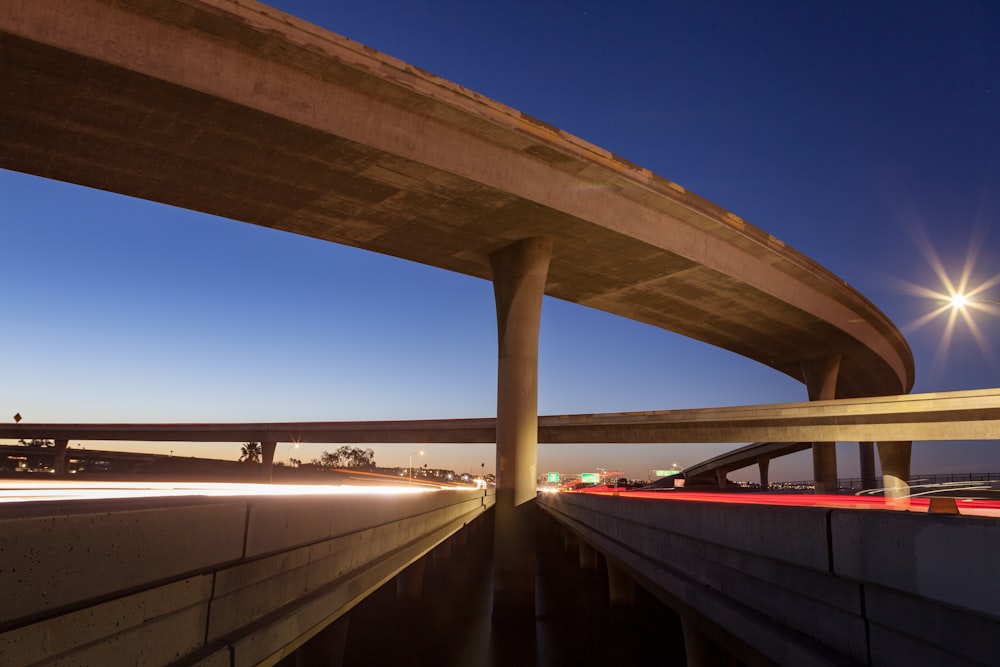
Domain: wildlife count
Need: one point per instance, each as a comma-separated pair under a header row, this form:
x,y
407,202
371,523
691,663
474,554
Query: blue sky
x,y
865,135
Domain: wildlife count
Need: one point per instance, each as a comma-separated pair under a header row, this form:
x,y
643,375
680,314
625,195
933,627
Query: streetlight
x,y
412,454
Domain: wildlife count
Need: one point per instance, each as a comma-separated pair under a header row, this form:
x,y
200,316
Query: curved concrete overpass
x,y
235,109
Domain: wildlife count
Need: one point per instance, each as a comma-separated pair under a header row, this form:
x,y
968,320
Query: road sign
x,y
553,477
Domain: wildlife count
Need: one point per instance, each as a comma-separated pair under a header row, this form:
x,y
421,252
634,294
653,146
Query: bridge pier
x,y
866,453
410,582
267,450
326,649
59,458
763,463
700,648
588,556
621,587
894,458
519,273
820,377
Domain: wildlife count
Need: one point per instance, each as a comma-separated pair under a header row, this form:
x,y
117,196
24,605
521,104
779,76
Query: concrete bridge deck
x,y
241,111
955,415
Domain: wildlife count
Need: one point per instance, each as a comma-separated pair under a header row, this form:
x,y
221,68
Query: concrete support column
x,y
763,463
569,541
701,650
519,274
267,460
866,454
326,648
894,457
588,556
720,478
59,457
410,582
462,537
820,376
621,587
442,553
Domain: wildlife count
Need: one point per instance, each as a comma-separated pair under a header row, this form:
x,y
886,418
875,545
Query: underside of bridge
x,y
256,116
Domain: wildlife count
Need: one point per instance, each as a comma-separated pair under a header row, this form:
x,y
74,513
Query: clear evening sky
x,y
864,134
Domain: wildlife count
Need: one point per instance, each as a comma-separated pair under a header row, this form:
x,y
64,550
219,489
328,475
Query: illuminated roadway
x,y
19,491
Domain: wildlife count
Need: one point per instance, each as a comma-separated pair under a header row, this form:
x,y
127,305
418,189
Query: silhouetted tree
x,y
347,457
251,452
36,443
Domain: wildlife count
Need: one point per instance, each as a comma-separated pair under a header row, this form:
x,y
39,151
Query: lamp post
x,y
412,454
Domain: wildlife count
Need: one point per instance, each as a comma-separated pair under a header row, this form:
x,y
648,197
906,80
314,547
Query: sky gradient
x,y
865,135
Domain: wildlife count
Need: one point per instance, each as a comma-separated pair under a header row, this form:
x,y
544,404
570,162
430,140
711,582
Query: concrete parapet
x,y
943,558
170,581
151,629
801,586
929,583
56,557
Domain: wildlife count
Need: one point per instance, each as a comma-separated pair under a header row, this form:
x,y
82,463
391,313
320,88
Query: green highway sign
x,y
666,473
590,478
553,477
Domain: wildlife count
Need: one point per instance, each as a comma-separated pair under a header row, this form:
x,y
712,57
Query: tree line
x,y
342,457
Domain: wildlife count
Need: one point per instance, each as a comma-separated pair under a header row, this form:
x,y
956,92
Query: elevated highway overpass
x,y
236,109
791,427
241,111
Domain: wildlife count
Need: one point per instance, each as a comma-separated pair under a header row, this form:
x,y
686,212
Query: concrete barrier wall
x,y
233,582
807,585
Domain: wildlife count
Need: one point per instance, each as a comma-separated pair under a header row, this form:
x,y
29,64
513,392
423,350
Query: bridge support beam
x,y
820,377
59,458
894,458
519,274
701,649
866,453
267,460
327,648
410,582
621,587
763,463
588,557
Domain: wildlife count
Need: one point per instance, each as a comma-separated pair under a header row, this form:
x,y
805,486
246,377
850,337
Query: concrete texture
x,y
139,629
170,580
65,554
947,559
810,585
235,109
